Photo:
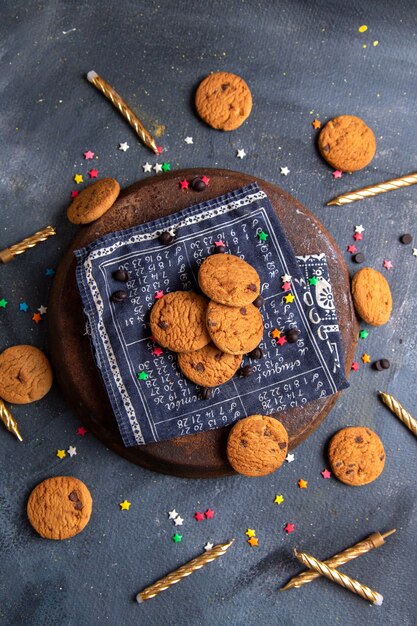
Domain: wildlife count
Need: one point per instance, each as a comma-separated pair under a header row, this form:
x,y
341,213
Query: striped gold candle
x,y
8,420
183,571
398,410
362,547
8,254
341,579
374,190
124,109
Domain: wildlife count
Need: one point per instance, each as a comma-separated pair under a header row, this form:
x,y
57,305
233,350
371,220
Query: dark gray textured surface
x,y
300,59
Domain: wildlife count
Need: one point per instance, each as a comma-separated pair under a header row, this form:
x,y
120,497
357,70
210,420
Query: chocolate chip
x,y
252,287
210,323
246,370
359,439
225,86
198,185
163,325
349,472
282,445
218,356
199,367
326,148
339,463
258,302
119,296
243,310
166,238
206,393
358,258
256,354
121,275
78,505
73,496
292,335
219,250
378,366
243,443
382,457
267,432
406,239
385,364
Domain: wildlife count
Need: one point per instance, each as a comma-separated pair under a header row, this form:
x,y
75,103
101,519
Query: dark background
x,y
301,60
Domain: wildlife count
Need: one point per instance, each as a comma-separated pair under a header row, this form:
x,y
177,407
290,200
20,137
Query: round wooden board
x,y
194,456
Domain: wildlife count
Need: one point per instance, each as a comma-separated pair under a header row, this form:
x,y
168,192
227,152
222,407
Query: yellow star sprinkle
x,y
78,179
125,505
276,334
363,28
250,532
302,484
253,541
366,358
61,453
289,298
279,499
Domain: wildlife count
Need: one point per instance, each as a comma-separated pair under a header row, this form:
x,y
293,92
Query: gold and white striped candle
x,y
374,190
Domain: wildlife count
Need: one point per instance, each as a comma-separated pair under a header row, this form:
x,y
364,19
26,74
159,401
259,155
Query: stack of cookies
x,y
210,336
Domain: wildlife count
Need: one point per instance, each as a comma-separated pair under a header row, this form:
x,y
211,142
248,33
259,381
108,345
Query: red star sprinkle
x,y
198,516
281,340
357,236
184,184
218,243
159,149
337,174
325,473
354,366
352,248
159,294
286,286
157,351
37,317
93,173
74,194
81,431
388,264
209,514
289,528
205,179
88,154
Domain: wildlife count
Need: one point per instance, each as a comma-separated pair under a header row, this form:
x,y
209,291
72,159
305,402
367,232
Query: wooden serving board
x,y
202,455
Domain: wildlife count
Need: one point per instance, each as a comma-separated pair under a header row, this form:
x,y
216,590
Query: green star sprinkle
x,y
313,280
176,538
363,334
3,303
166,167
262,236
142,376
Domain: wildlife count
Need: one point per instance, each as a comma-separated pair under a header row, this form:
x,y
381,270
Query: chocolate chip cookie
x,y
356,455
93,201
25,374
347,143
228,279
257,445
235,330
178,321
372,297
223,100
59,507
209,366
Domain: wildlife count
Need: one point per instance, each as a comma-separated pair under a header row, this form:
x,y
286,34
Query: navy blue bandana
x,y
151,398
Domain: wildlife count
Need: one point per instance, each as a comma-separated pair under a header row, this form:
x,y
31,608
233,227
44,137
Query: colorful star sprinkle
x,y
289,528
281,340
290,458
178,521
251,532
61,454
354,366
279,499
50,272
262,236
124,146
325,473
352,248
157,351
358,236
166,167
198,516
93,173
172,514
157,167
189,140
23,306
363,28
72,451
37,317
316,124
363,334
302,483
205,180
74,194
359,229
177,538
3,303
337,174
286,286
208,546
81,431
313,280
219,243
184,184
78,179
209,514
88,154
147,167
253,541
125,505
388,264
43,309
284,170
142,376
240,154
414,251
159,294
289,298
286,278
275,334
366,358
